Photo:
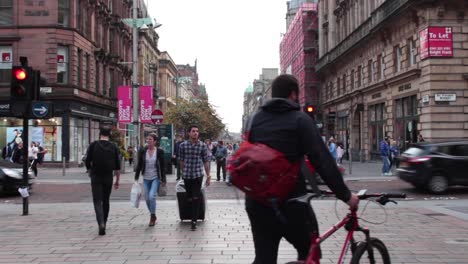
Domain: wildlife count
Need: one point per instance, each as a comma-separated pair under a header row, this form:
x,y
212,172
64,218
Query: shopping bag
x,y
162,191
135,195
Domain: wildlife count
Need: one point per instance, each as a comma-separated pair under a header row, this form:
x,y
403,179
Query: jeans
x,y
386,164
193,190
221,165
101,194
268,229
151,190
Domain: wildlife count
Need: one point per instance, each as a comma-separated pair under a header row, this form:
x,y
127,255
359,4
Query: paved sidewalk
x,y
59,233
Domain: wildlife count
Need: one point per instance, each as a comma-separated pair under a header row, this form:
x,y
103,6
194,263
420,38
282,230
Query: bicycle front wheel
x,y
377,254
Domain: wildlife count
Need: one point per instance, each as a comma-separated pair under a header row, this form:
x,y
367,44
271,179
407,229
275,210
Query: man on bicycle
x,y
281,125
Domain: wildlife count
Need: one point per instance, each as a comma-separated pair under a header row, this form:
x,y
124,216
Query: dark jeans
x,y
33,165
101,194
268,229
193,190
220,164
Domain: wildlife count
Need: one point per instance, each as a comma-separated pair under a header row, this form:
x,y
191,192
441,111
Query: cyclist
x,y
281,125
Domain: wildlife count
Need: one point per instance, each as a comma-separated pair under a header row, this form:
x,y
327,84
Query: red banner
x,y
124,104
436,42
6,57
146,103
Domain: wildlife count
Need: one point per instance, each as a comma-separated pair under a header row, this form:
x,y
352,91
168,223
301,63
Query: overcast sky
x,y
231,40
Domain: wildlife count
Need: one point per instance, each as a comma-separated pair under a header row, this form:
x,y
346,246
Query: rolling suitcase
x,y
185,209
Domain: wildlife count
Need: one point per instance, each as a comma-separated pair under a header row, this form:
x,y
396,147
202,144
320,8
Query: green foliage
x,y
117,138
200,113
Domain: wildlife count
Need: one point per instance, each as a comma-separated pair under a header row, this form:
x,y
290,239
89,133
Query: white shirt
x,y
32,152
150,166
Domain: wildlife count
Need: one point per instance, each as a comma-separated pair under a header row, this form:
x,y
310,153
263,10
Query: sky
x,y
231,40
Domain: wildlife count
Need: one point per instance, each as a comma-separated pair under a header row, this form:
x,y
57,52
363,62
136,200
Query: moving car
x,y
11,177
435,166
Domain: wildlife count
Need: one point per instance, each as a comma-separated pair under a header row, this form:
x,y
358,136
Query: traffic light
x,y
22,83
310,110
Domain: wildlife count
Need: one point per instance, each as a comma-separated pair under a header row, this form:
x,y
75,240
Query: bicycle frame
x,y
350,222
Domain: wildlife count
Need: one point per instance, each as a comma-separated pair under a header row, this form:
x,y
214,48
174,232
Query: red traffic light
x,y
20,74
310,109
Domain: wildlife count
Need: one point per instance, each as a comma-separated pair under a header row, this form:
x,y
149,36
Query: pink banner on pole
x,y
124,103
146,103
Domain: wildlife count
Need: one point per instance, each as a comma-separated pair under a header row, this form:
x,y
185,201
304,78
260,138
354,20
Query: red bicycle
x,y
371,250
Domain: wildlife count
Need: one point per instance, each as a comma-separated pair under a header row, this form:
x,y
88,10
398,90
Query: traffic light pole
x,y
135,86
25,159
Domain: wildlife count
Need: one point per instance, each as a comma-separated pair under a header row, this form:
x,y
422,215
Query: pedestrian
x,y
17,155
281,125
394,154
175,156
209,145
221,155
130,155
339,153
32,157
102,161
332,147
385,155
193,156
41,153
420,138
151,165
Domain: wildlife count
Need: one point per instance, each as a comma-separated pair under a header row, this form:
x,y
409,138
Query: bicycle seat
x,y
304,198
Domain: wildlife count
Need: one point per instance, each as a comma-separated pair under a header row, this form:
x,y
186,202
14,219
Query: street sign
x,y
40,109
157,116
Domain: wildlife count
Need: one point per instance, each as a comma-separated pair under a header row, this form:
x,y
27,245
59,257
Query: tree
x,y
200,113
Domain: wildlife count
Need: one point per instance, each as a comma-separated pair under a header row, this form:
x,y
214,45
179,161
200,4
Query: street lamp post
x,y
135,86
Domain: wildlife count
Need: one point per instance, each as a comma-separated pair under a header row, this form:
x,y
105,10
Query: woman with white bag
x,y
151,166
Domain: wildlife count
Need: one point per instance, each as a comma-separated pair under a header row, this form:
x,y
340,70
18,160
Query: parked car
x,y
11,177
435,166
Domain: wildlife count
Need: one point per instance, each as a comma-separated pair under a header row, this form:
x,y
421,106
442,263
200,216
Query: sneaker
x,y
194,226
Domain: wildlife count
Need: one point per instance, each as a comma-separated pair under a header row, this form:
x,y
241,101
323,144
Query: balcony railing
x,y
381,14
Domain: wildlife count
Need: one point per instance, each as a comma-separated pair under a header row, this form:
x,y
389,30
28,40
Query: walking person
x,y
332,147
193,156
175,156
130,155
385,155
41,153
394,154
32,157
209,145
102,161
281,125
221,155
151,166
339,153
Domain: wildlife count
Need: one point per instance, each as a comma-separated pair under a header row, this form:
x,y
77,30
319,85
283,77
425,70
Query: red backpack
x,y
263,173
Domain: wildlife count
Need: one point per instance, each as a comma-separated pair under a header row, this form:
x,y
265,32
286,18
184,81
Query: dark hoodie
x,y
281,125
107,155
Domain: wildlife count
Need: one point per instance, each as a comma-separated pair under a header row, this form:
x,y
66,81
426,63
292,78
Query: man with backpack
x,y
280,125
221,155
102,160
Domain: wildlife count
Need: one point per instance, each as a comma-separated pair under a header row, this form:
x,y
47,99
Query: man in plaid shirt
x,y
193,157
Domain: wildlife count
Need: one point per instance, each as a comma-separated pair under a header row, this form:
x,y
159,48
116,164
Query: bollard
x,y
63,166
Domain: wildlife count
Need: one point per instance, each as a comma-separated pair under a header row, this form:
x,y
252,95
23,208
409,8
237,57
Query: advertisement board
x,y
146,103
124,104
436,42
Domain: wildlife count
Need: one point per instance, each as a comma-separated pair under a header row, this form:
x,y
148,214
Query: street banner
x,y
124,104
146,104
436,42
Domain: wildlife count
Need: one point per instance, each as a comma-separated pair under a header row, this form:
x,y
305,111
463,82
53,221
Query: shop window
x,y
6,12
6,63
62,65
376,125
63,12
406,121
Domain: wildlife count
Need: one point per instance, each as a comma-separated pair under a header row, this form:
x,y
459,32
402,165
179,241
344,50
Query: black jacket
x,y
281,125
140,168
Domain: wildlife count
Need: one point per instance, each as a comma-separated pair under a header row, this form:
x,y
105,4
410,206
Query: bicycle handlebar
x,y
386,195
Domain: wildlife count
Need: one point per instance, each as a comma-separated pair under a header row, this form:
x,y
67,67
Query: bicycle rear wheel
x,y
379,253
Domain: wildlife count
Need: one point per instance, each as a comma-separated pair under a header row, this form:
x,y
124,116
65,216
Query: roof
x,y
249,89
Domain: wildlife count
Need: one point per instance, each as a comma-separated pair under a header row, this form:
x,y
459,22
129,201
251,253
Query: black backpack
x,y
104,158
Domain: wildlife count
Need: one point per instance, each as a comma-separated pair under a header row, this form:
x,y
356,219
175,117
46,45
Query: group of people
x,y
389,152
279,124
336,150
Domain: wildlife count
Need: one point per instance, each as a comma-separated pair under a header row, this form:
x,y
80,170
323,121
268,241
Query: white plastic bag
x,y
135,195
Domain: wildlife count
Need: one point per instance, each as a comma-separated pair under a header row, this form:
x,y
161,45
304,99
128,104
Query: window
x,y
406,120
381,66
338,87
79,17
352,80
105,80
376,124
87,73
6,63
359,76
6,12
411,52
96,77
370,71
396,58
63,12
111,83
344,83
111,41
62,64
79,69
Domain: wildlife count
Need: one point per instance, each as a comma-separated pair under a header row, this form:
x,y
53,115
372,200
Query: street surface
x,y
61,226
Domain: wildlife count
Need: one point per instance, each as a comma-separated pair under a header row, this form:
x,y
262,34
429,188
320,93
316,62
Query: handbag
x,y
162,191
135,195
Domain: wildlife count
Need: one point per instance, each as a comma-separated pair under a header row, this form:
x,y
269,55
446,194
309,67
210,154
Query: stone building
x,y
394,67
167,85
79,47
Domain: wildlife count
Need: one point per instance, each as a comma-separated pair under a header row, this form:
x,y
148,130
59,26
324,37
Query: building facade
x,y
395,68
299,52
167,85
79,47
